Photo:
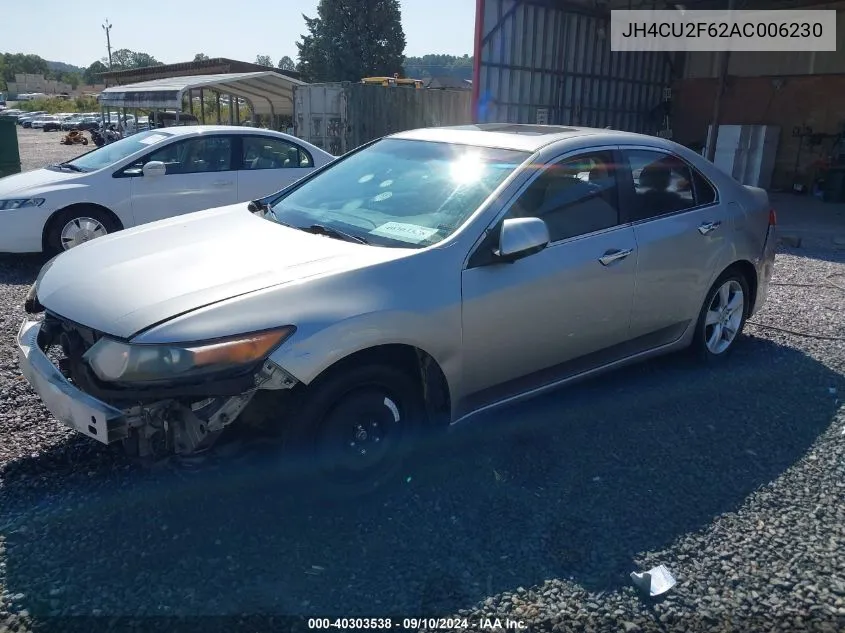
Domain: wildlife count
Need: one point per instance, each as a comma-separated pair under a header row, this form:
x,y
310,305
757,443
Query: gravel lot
x,y
39,148
733,477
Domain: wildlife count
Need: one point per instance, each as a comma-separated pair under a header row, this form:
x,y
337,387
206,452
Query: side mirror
x,y
521,237
154,168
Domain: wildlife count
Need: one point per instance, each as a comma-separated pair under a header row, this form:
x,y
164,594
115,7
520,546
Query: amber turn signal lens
x,y
238,351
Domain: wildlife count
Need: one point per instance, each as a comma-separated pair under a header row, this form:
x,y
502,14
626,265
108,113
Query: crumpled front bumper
x,y
69,405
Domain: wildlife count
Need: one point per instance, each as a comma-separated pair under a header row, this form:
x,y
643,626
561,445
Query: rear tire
x,y
356,428
77,225
722,317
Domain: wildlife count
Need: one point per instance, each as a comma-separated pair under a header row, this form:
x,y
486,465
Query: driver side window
x,y
191,156
576,196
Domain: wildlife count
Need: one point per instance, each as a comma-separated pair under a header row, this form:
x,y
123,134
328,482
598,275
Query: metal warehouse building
x,y
549,61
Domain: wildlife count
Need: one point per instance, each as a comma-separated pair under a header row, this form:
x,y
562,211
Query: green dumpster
x,y
10,156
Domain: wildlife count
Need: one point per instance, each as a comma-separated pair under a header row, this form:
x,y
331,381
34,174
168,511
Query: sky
x,y
176,31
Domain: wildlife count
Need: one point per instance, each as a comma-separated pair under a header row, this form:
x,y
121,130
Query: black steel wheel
x,y
356,427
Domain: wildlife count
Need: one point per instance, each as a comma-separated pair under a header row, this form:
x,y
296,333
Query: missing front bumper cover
x,y
153,425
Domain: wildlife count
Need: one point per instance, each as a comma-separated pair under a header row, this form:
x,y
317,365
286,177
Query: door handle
x,y
614,256
222,183
708,227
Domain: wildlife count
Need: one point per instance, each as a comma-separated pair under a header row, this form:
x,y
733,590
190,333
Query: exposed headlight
x,y
114,361
20,203
31,305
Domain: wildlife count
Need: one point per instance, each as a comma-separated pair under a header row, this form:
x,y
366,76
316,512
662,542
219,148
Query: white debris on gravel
x,y
743,462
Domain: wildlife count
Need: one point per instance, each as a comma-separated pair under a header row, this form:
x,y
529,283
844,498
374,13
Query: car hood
x,y
129,281
33,181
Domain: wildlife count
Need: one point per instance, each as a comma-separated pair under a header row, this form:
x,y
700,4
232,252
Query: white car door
x,y
269,164
199,176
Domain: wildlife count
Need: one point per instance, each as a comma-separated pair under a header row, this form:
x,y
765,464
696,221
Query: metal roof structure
x,y
214,66
269,93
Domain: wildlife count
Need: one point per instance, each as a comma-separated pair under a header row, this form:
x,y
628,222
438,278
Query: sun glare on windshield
x,y
467,169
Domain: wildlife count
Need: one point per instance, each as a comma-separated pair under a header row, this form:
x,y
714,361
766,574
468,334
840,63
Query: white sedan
x,y
145,177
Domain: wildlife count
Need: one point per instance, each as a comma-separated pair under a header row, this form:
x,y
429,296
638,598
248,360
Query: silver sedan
x,y
411,284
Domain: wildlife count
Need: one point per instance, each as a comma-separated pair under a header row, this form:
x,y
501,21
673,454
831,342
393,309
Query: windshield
x,y
400,193
117,151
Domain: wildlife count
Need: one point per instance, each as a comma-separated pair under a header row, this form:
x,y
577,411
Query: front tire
x,y
722,317
76,226
356,427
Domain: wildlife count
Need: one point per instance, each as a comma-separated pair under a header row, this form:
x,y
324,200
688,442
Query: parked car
x,y
39,122
410,284
27,119
162,119
146,177
70,122
48,123
87,123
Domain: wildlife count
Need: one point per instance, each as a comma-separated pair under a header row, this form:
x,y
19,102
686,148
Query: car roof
x,y
191,130
522,137
187,130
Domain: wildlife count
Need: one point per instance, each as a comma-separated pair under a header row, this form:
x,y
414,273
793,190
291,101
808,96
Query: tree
x,y
351,39
91,75
74,79
439,66
200,57
286,63
263,60
124,59
14,63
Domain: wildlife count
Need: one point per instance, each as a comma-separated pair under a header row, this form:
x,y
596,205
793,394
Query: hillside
x,y
62,67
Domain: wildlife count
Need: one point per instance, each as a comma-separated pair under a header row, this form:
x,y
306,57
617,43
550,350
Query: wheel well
x,y
747,270
51,221
416,363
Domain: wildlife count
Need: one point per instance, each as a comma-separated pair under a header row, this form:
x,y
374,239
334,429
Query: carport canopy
x,y
270,93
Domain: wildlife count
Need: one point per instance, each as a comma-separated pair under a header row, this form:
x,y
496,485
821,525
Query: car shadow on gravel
x,y
573,485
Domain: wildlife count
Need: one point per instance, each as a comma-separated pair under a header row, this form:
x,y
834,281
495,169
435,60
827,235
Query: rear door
x,y
682,229
199,176
267,164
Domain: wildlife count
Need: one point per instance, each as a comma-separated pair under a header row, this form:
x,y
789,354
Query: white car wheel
x,y
80,230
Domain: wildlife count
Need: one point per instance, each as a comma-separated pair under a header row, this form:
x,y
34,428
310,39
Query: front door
x,y
526,324
268,165
682,230
199,176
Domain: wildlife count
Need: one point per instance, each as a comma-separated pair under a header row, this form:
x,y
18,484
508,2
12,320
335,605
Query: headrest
x,y
656,176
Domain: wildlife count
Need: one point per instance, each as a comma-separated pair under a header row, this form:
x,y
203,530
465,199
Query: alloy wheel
x,y
724,317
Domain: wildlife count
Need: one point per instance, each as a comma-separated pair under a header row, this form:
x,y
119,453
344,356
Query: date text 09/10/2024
x,y
415,624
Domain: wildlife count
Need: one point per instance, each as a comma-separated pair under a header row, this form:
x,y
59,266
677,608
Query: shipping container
x,y
538,61
339,117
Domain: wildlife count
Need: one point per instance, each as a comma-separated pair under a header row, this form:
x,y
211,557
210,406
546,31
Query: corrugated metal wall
x,y
341,116
540,57
375,111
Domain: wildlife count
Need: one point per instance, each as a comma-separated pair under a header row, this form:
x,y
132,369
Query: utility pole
x,y
107,28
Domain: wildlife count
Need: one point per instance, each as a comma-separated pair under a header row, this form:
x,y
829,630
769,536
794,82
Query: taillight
x,y
773,217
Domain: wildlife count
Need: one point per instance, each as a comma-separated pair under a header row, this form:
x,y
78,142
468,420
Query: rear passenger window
x,y
665,184
270,153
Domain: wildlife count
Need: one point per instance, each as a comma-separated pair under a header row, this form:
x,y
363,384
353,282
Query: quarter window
x,y
574,197
271,153
665,184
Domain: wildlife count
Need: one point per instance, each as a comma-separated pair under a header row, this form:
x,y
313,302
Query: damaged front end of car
x,y
157,400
